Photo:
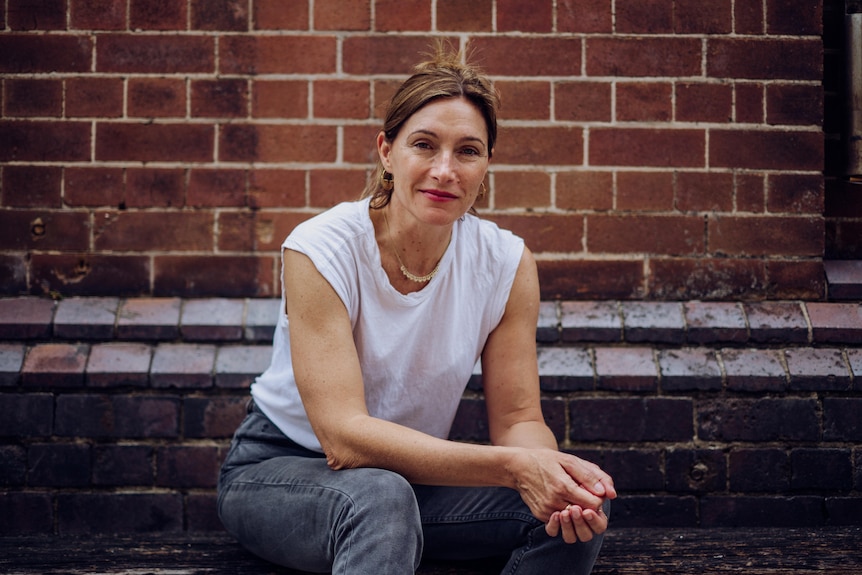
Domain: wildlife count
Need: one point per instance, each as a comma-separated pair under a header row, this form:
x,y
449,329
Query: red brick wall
x,y
655,149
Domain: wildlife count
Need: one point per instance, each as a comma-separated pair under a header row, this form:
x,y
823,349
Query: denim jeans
x,y
284,504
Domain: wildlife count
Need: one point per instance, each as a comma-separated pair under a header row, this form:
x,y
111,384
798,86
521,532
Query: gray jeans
x,y
284,504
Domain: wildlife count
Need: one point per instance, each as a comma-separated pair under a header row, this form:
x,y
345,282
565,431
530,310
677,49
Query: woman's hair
x,y
443,76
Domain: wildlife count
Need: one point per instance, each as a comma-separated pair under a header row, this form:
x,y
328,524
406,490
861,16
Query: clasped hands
x,y
568,494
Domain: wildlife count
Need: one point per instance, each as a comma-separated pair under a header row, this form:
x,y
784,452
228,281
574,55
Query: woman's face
x,y
438,160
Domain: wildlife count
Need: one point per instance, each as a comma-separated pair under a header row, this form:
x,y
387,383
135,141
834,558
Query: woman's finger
x,y
552,527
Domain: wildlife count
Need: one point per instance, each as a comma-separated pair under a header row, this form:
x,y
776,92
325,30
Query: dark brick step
x,y
629,551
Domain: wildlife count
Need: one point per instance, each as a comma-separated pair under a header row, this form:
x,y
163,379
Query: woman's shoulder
x,y
347,219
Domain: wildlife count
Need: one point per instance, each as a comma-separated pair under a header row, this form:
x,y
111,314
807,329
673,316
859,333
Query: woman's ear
x,y
383,150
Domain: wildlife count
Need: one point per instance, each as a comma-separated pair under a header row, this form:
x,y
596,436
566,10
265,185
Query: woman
x,y
343,463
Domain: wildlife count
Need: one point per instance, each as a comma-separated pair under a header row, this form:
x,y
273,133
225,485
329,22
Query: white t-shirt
x,y
417,351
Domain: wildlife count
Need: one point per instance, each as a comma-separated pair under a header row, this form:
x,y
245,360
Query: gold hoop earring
x,y
387,181
483,192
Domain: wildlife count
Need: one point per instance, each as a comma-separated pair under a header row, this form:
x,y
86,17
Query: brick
x,y
119,364
276,188
608,279
359,144
548,325
33,513
584,16
696,470
696,17
217,188
647,419
821,469
653,321
776,322
583,101
213,417
749,18
749,106
629,368
183,365
202,513
750,195
645,191
471,421
43,15
55,365
153,187
706,278
754,370
527,190
230,276
513,15
644,17
584,190
538,56
797,194
590,321
759,470
842,419
11,360
545,233
328,188
34,54
164,15
44,141
835,322
766,150
97,14
156,98
13,462
149,319
765,419
565,369
238,365
702,102
94,187
390,17
665,235
770,235
634,469
764,59
280,15
817,369
279,99
795,279
26,317
730,511
225,15
541,146
843,510
714,322
223,98
121,231
33,98
154,142
119,416
32,187
277,143
644,102
643,57
13,267
689,369
58,465
187,466
155,54
335,15
44,230
84,513
26,415
526,100
286,54
122,465
655,511
456,16
647,147
342,99
86,318
794,17
794,105
704,191
90,275
212,319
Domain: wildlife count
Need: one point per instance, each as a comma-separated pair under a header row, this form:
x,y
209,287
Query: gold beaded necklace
x,y
411,276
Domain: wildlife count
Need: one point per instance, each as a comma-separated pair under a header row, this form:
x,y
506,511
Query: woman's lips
x,y
439,196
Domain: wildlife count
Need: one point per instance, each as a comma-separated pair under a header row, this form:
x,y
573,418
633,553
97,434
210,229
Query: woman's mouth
x,y
439,195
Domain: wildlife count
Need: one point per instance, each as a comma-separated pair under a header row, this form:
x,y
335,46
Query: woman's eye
x,y
422,145
470,151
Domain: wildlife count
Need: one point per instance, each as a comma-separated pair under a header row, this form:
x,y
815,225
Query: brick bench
x,y
115,413
626,551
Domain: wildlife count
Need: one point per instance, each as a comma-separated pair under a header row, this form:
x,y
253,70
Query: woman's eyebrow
x,y
433,134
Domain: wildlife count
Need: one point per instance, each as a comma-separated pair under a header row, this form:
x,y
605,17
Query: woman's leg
x,y
293,510
471,523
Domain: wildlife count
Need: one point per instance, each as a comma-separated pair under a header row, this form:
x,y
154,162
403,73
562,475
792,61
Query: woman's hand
x,y
576,523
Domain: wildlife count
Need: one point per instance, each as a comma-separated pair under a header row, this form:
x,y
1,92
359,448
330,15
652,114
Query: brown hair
x,y
443,76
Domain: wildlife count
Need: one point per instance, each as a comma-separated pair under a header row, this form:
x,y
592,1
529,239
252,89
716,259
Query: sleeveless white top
x,y
417,351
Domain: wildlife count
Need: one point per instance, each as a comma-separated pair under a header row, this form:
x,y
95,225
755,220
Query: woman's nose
x,y
444,166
